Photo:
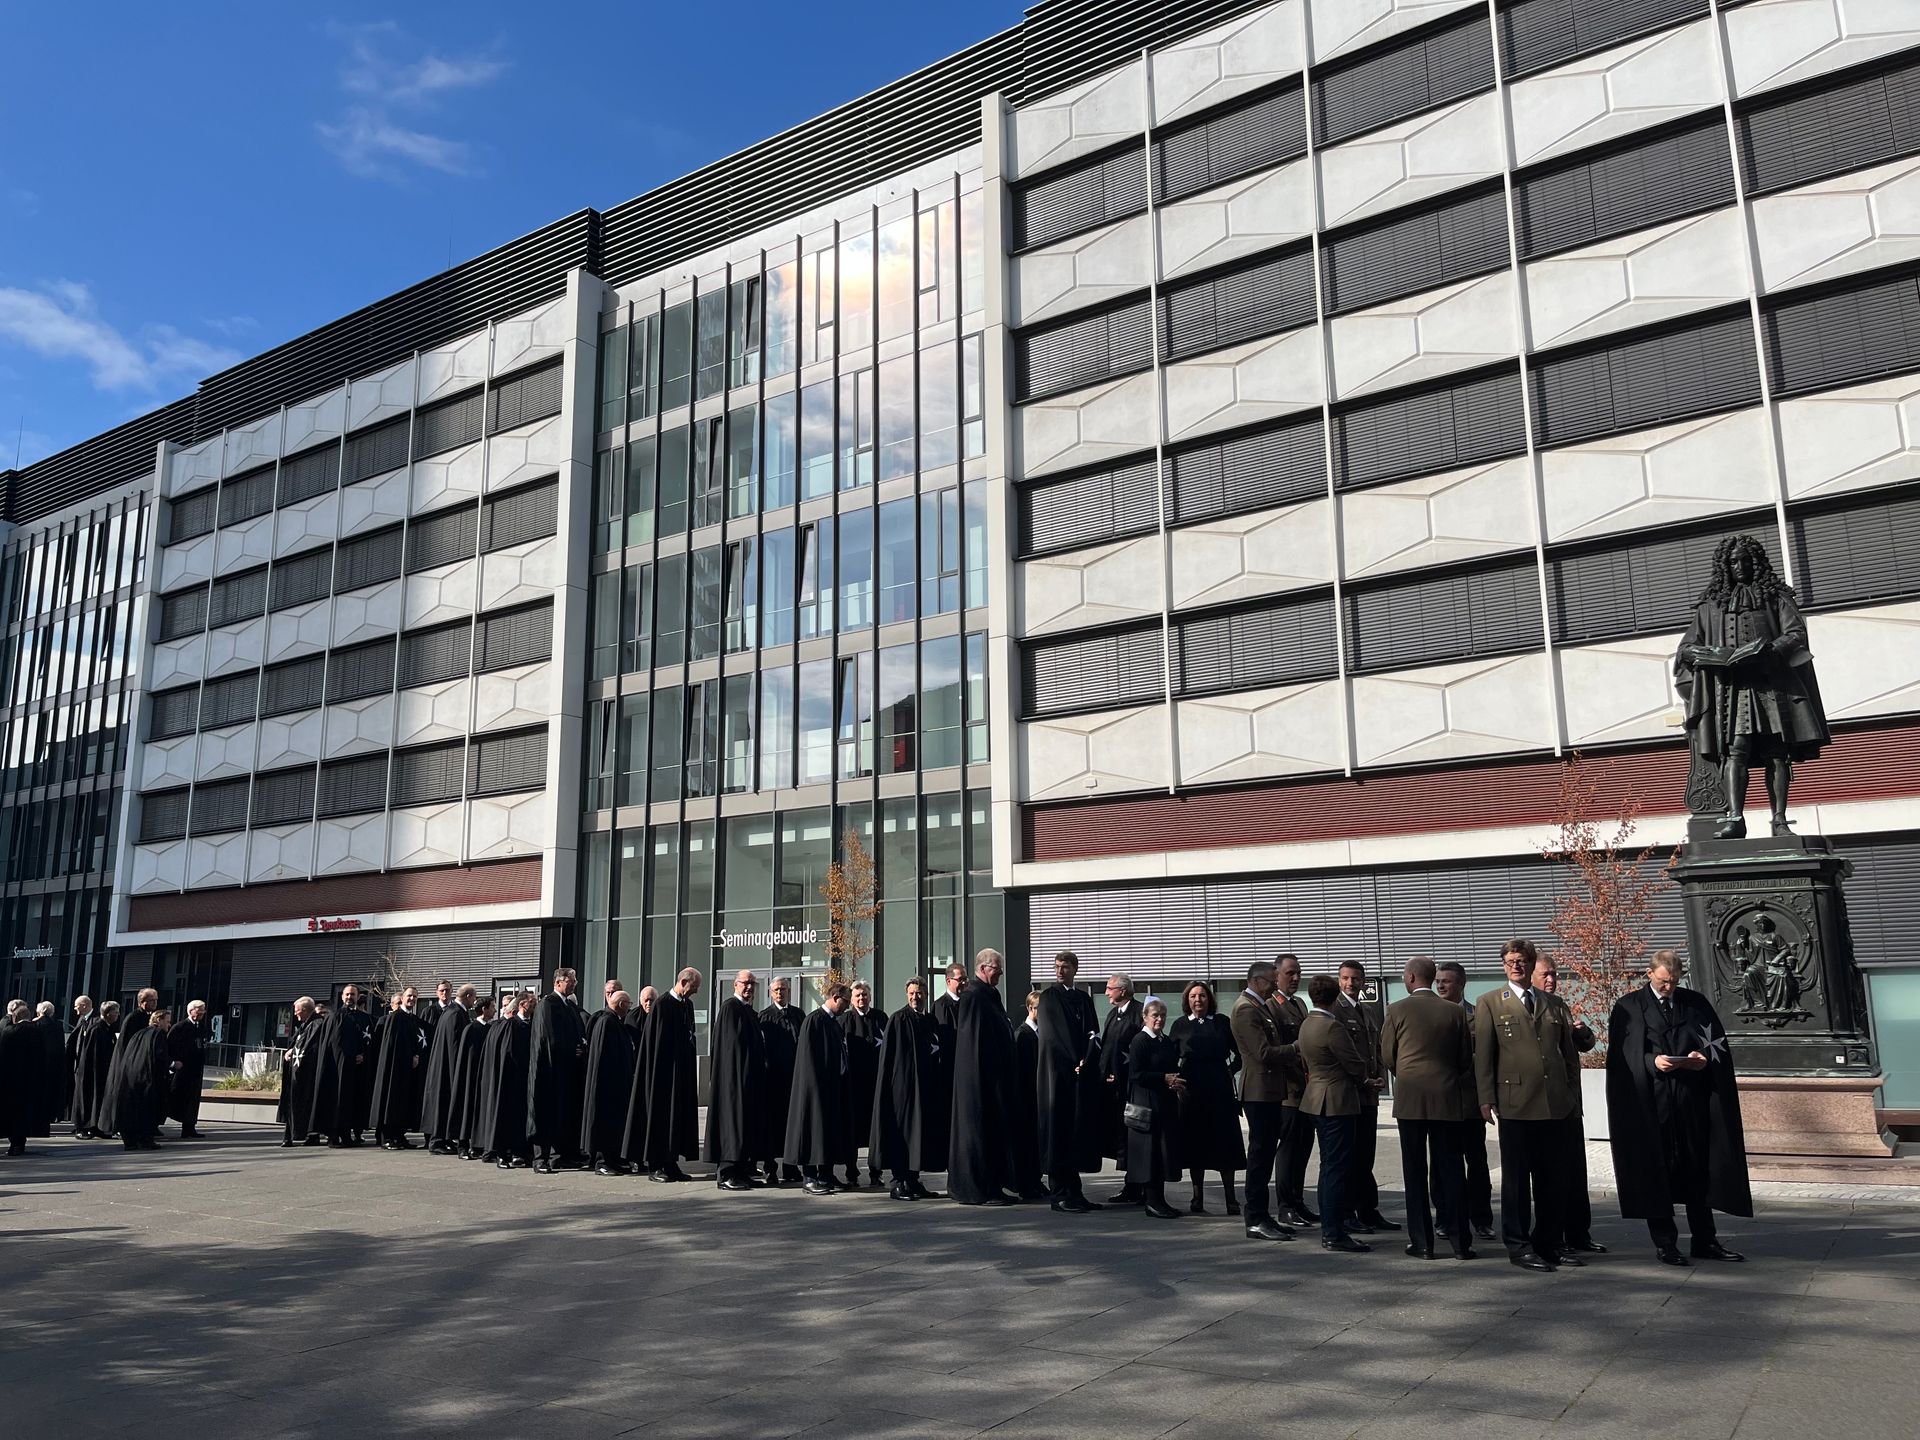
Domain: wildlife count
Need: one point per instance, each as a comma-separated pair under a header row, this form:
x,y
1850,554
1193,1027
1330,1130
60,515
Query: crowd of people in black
x,y
1008,1111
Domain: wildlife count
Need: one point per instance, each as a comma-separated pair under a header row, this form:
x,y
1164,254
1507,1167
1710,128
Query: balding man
x,y
1426,1043
780,1022
663,1112
556,1077
738,1129
980,1164
1116,1039
603,1120
437,1111
85,1021
187,1049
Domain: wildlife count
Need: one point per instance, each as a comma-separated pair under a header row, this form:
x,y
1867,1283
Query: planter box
x,y
1593,1103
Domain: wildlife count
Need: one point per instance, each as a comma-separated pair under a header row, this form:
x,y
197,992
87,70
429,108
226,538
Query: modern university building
x,y
1174,478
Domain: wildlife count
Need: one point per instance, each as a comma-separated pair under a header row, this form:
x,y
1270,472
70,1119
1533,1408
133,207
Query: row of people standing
x,y
101,1074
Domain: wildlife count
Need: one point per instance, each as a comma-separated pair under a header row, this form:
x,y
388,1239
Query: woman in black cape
x,y
1152,1118
1210,1136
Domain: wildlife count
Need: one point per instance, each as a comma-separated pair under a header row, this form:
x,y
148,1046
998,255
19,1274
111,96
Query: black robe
x,y
1026,1109
1210,1136
1116,1044
820,1113
436,1090
21,1081
609,1090
52,1043
334,1100
781,1027
500,1112
663,1111
93,1063
738,1128
131,1024
468,1068
298,1062
908,1134
1070,1108
1153,1157
186,1043
1676,1138
945,1015
557,1075
76,1046
981,1138
864,1034
396,1074
362,1078
139,1100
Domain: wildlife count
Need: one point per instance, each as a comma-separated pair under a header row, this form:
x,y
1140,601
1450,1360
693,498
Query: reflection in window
x,y
816,307
710,344
613,378
939,280
856,293
776,729
816,440
743,333
641,455
815,566
939,434
973,267
856,570
609,514
669,741
976,543
676,362
977,698
973,398
897,289
736,735
896,709
604,624
946,846
636,619
673,482
898,576
941,713
709,472
815,713
777,587
632,751
896,418
856,430
782,468
940,552
743,450
670,609
707,573
783,300
749,868
703,738
855,728
743,597
643,369
602,737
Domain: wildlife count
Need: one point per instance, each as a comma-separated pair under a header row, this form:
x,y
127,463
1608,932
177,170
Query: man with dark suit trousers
x,y
1266,1047
1450,984
1577,1227
1116,1039
1363,1192
1427,1043
1528,1072
1296,1130
1336,1074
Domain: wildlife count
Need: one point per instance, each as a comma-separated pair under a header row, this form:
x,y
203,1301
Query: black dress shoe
x,y
1567,1257
1483,1232
1073,1205
1359,1227
545,1167
1268,1230
902,1191
607,1170
659,1177
1527,1260
1127,1196
852,1182
732,1184
1378,1221
1420,1252
1346,1244
1467,1254
1588,1246
1670,1255
314,1140
1161,1212
520,1162
1714,1250
1233,1206
921,1192
503,1164
286,1144
816,1187
1299,1219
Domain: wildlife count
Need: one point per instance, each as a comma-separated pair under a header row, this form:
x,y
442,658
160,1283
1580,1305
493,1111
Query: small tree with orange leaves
x,y
1600,918
851,892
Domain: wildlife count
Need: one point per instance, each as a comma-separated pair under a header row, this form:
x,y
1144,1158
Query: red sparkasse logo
x,y
316,925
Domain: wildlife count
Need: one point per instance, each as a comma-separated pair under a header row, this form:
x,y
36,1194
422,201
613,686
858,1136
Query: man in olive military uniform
x,y
1528,1073
1363,1191
1296,1130
1336,1074
1427,1043
1265,1040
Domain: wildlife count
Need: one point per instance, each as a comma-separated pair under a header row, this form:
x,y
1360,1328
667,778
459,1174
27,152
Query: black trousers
x,y
1531,1213
1336,1134
1363,1192
1296,1147
1432,1167
1479,1192
1264,1122
1700,1227
1577,1226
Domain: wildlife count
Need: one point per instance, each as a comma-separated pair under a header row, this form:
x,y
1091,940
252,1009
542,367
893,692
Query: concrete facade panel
x,y
1436,519
1452,712
1617,92
1248,555
1839,227
1427,155
1638,279
1454,328
1291,730
1107,583
1228,60
1086,426
1079,756
1240,218
1259,380
1851,439
1658,477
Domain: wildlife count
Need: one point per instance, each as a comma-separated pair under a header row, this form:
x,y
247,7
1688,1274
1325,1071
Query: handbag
x,y
1138,1117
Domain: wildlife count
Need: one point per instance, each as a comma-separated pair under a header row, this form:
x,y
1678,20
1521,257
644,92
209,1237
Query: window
x,y
896,418
942,703
191,516
783,295
300,578
896,711
973,401
1643,585
782,452
975,510
816,723
229,701
940,552
519,516
743,449
428,657
184,612
352,787
1675,173
294,685
525,397
736,734
676,364
1865,551
310,473
220,807
1646,380
854,729
742,610
636,619
1088,194
603,624
283,797
429,774
776,729
1232,477
898,294
777,587
857,429
1839,337
442,538
242,497
174,712
1430,430
367,560
643,368
1271,644
743,332
815,574
703,739
709,488
938,282
502,764
360,671
856,570
1421,73
1252,136
1492,609
447,424
375,451
669,742
613,378
817,303
978,718
238,597
163,815
816,440
939,409
898,574
710,343
1082,351
1537,34
675,448
856,293
1095,672
1849,124
1411,253
1259,299
630,764
708,574
670,610
640,464
609,516
513,637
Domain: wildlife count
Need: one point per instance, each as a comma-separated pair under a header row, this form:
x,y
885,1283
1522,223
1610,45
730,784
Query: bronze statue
x,y
1746,675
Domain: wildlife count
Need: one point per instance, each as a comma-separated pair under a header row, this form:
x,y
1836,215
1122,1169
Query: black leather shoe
x,y
901,1191
1714,1250
1670,1255
1299,1219
503,1164
732,1184
1128,1196
1378,1221
401,1144
1527,1260
1587,1247
852,1182
1567,1257
1483,1232
286,1144
1233,1206
1161,1212
1467,1254
817,1187
1420,1252
520,1162
1359,1227
608,1171
1073,1205
1346,1244
659,1177
1268,1230
545,1167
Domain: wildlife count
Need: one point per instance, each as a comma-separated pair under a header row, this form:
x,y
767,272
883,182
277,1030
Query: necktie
x,y
1526,999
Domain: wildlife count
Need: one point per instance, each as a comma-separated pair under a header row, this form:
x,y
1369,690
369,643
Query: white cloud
x,y
59,321
367,143
367,138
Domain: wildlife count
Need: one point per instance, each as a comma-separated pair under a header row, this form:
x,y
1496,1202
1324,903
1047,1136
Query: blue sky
x,y
185,185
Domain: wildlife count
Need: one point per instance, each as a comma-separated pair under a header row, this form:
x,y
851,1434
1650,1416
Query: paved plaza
x,y
233,1289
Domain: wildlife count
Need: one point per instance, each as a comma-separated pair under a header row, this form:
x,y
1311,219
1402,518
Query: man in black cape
x,y
443,1056
612,988
1674,1114
908,1130
56,1083
337,1054
93,1062
468,1072
1116,1042
437,1007
663,1112
781,1022
557,1077
139,1100
737,1124
362,1108
21,1082
1070,1091
187,1048
865,1027
980,1159
500,1117
131,1023
820,1114
945,1011
297,1065
85,1020
603,1111
397,1083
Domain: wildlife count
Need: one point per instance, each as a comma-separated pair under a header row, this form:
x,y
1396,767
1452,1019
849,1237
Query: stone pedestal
x,y
1824,1129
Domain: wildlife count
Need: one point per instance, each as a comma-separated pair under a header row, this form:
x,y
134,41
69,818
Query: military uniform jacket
x,y
1527,1066
1269,1055
1293,1011
1366,1039
1336,1070
1427,1043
